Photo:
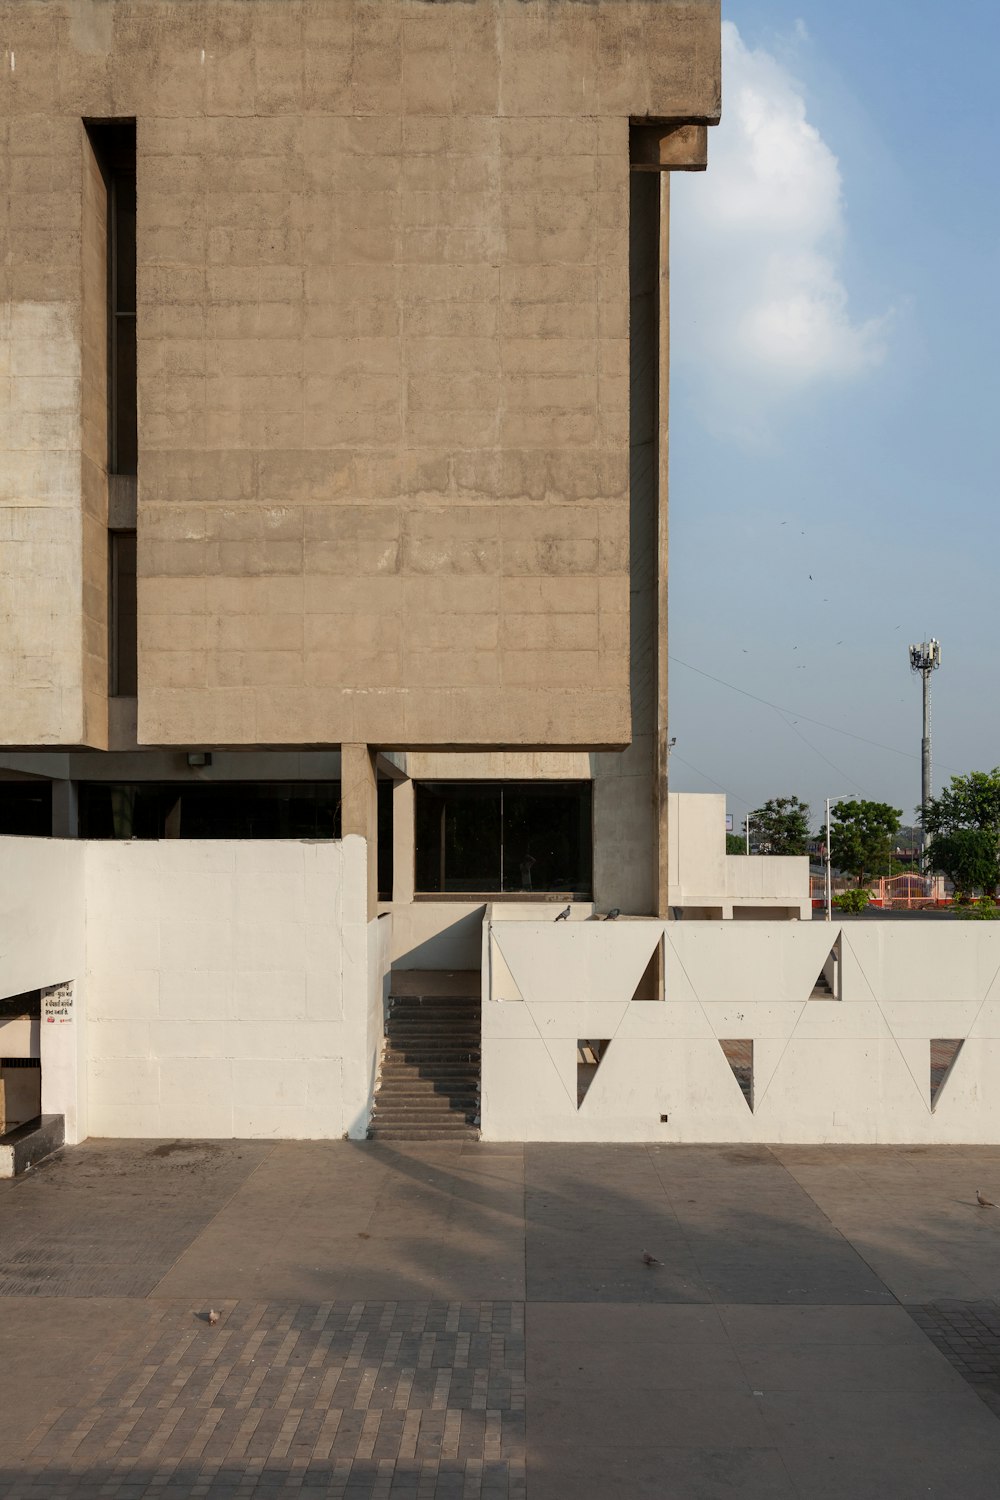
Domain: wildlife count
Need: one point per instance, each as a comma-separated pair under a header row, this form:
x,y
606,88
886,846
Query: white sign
x,y
57,1004
729,822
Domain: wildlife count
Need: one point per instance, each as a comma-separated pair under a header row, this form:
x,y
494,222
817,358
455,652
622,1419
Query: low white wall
x,y
228,988
853,1069
703,877
42,943
220,988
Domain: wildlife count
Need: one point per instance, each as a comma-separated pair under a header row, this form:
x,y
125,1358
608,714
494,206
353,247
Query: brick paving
x,y
363,1400
968,1335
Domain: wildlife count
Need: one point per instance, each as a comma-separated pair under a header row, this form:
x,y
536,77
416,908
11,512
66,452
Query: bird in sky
x,y
564,914
984,1202
613,914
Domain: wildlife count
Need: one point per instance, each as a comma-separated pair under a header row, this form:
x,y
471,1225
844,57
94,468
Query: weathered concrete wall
x,y
383,361
855,1066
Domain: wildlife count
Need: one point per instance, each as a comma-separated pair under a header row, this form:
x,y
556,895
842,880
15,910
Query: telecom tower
x,y
925,659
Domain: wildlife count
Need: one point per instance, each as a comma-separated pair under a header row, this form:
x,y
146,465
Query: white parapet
x,y
861,1031
705,881
216,988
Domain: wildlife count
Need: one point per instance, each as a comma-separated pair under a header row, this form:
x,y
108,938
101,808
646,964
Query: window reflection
x,y
210,810
485,838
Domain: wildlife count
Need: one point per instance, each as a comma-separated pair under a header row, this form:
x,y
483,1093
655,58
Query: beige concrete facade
x,y
383,332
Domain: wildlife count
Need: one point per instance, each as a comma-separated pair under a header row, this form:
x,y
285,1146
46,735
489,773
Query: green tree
x,y
963,826
862,837
734,844
781,826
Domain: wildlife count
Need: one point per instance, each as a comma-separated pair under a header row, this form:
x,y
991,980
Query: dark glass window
x,y
385,840
210,810
114,146
482,837
26,808
123,621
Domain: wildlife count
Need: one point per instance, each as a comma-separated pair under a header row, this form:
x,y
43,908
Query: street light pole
x,y
829,868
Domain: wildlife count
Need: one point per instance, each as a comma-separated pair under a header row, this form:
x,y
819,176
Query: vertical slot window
x,y
123,441
114,146
124,624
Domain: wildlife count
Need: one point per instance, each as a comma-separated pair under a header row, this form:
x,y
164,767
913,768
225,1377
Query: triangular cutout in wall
x,y
650,986
589,1056
944,1053
827,986
739,1055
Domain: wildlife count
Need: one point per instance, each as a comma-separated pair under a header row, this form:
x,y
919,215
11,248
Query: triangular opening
x,y
739,1056
589,1056
650,986
944,1053
827,986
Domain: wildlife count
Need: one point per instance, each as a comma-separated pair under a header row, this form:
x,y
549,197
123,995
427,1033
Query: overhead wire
x,y
820,724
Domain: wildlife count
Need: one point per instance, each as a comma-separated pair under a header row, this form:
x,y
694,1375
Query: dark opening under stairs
x,y
428,1088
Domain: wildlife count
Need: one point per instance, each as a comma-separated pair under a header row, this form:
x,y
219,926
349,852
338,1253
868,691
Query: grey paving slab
x,y
324,1220
599,1471
108,1219
890,1444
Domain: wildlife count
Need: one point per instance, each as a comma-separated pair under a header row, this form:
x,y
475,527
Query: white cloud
x,y
757,245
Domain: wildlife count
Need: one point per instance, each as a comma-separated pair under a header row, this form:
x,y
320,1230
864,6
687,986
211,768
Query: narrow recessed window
x,y
123,618
114,146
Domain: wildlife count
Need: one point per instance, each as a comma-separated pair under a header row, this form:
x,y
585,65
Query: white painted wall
x,y
42,942
220,988
702,877
855,1069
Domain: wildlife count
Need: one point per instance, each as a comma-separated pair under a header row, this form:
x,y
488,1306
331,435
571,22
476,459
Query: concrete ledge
x,y
30,1143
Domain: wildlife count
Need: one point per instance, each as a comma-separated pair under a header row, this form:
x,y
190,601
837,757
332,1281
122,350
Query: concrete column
x,y
65,810
359,808
662,575
626,816
403,841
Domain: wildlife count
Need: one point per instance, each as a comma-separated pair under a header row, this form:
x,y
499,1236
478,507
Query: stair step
x,y
423,1116
443,1038
432,1054
453,1068
461,1131
407,1092
435,999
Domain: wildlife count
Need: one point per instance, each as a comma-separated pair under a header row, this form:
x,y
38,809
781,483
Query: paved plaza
x,y
471,1321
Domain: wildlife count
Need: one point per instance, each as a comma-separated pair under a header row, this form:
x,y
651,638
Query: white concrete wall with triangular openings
x,y
642,1030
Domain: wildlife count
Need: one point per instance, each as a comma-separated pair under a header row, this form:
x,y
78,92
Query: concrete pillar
x,y
65,810
403,841
626,816
359,808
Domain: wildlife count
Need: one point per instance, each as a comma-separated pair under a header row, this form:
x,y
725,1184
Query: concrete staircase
x,y
429,1084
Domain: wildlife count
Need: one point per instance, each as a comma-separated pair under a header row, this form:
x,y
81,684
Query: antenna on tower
x,y
925,659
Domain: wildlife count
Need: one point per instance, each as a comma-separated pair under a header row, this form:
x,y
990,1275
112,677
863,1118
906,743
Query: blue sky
x,y
835,327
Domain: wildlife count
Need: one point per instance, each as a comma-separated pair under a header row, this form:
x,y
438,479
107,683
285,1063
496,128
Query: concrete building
x,y
334,438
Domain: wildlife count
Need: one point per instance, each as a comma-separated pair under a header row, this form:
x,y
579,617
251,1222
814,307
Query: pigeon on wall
x,y
564,914
614,913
